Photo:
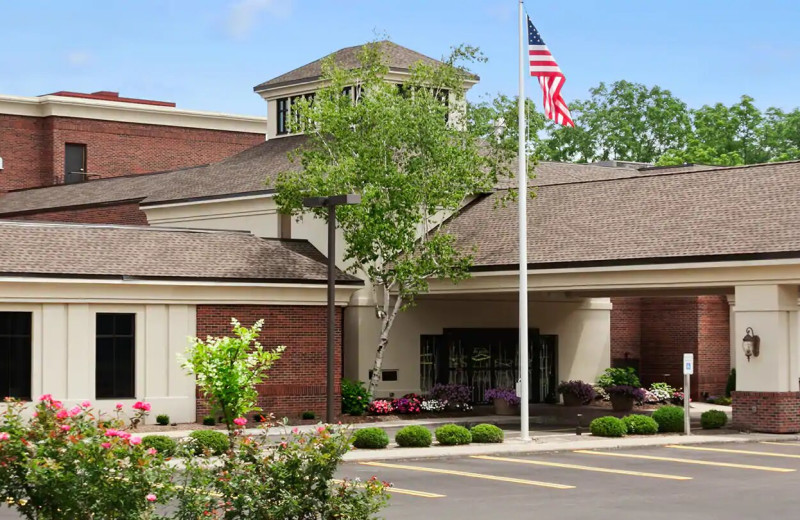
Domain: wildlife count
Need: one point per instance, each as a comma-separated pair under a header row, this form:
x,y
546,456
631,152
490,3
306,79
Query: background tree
x,y
412,154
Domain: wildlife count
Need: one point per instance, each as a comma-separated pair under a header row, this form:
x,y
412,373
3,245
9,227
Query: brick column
x,y
768,393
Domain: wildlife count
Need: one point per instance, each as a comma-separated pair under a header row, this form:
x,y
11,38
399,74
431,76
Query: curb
x,y
539,446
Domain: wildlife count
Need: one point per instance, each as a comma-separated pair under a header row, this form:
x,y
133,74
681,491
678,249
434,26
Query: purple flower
x,y
507,394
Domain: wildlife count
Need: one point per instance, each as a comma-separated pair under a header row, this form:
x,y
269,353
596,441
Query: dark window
x,y
283,112
74,163
15,355
115,356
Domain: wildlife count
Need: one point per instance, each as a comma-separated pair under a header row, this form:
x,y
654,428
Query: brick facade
x,y
652,334
32,148
297,382
127,213
768,412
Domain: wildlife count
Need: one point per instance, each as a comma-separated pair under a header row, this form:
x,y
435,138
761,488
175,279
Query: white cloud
x,y
244,14
78,58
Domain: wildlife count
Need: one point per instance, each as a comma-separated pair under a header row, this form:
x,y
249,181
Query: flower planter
x,y
501,407
621,403
572,400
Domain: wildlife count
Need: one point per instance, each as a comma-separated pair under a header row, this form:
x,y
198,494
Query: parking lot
x,y
738,481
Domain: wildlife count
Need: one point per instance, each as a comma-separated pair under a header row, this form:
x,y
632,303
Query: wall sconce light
x,y
751,344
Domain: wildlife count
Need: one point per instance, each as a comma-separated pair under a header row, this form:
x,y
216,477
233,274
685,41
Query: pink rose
x,y
135,441
46,397
295,430
86,404
137,405
65,427
118,406
4,436
240,421
123,435
151,451
151,497
284,445
36,414
56,405
75,411
320,429
111,432
105,445
62,414
146,407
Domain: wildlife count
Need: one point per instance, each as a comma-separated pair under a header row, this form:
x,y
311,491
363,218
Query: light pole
x,y
331,203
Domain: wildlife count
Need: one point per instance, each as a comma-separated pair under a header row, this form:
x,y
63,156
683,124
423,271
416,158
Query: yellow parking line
x,y
795,444
736,452
685,461
468,474
583,468
401,491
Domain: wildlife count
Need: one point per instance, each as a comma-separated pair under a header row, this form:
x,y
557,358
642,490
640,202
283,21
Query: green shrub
x,y
486,433
453,434
209,421
607,427
730,387
370,439
640,425
309,415
163,419
211,441
669,419
619,377
414,436
355,397
162,444
724,401
713,419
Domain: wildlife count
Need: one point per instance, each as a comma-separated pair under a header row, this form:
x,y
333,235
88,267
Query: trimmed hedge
x,y
486,433
210,441
209,421
162,419
713,419
669,419
414,436
309,415
640,424
370,439
164,445
453,435
608,426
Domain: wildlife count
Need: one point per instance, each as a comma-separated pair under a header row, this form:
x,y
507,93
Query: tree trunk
x,y
389,312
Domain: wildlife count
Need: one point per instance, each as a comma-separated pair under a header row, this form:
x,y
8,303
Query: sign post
x,y
688,370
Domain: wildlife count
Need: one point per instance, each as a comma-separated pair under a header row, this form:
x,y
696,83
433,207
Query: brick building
x,y
69,137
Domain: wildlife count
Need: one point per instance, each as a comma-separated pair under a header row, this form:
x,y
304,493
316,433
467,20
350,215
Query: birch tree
x,y
412,153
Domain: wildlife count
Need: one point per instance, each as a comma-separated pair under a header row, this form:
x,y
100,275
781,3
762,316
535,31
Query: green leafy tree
x,y
623,121
229,368
782,134
414,153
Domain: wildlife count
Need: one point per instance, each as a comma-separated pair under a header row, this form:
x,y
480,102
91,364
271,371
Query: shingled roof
x,y
133,252
397,58
745,212
249,171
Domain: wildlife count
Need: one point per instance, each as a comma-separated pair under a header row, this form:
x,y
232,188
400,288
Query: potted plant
x,y
506,401
623,397
576,393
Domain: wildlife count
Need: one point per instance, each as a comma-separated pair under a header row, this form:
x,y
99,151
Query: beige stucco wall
x,y
582,327
257,214
63,351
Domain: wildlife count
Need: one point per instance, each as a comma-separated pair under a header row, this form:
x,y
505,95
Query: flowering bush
x,y
677,398
454,396
432,405
74,464
583,391
229,368
408,404
659,393
619,377
355,398
380,407
507,394
638,394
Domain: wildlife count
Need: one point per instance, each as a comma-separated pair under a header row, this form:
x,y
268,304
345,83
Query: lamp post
x,y
331,203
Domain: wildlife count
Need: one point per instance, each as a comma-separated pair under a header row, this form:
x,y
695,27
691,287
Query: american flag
x,y
544,66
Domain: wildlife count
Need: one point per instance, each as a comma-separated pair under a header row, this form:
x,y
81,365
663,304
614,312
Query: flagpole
x,y
523,237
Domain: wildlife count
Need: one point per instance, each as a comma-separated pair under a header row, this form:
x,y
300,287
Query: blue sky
x,y
208,55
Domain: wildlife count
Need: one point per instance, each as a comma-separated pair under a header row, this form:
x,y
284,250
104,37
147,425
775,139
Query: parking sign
x,y
688,364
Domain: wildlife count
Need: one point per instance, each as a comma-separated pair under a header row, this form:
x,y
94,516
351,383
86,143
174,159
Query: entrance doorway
x,y
489,358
